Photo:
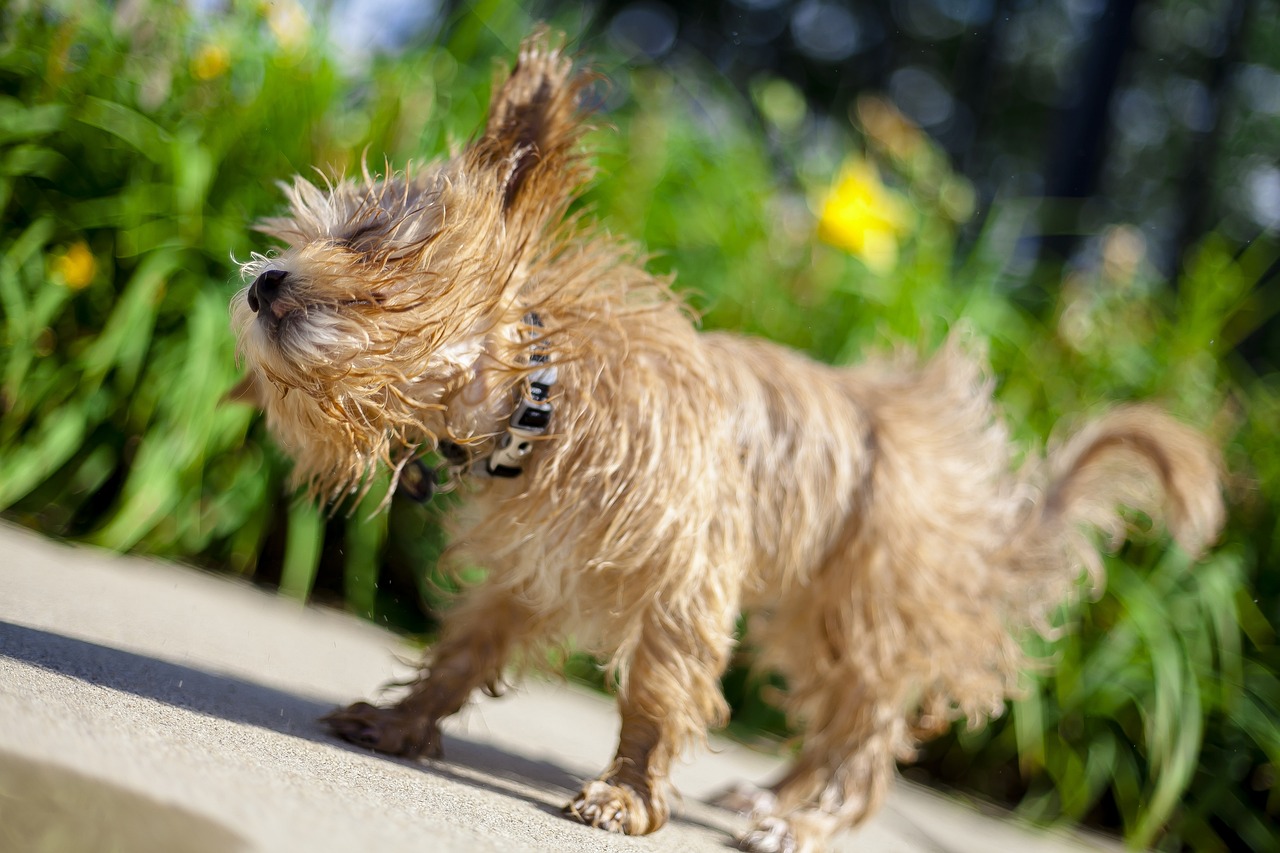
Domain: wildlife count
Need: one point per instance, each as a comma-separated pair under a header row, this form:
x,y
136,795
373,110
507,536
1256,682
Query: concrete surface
x,y
146,706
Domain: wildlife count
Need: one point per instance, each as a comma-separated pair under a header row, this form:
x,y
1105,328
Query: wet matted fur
x,y
870,519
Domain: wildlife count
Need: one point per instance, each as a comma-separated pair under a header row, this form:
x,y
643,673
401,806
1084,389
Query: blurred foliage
x,y
1159,113
139,140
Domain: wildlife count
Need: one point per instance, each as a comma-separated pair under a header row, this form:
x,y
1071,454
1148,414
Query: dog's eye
x,y
362,239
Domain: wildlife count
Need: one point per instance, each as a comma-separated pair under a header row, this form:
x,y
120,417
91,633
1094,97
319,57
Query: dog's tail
x,y
1137,457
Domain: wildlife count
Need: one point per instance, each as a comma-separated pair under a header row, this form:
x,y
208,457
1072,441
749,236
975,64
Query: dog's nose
x,y
265,290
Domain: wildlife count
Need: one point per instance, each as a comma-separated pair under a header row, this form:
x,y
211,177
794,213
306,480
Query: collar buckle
x,y
530,420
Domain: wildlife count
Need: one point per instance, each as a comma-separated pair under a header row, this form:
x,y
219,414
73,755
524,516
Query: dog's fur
x,y
871,520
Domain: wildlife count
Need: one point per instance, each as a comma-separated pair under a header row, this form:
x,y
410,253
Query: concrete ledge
x,y
148,706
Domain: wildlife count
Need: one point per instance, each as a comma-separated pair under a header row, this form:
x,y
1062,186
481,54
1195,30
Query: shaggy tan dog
x,y
633,485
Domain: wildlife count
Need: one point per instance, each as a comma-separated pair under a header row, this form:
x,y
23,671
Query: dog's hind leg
x,y
849,700
479,635
829,788
669,695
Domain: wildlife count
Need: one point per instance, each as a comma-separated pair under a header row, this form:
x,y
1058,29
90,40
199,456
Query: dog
x,y
632,485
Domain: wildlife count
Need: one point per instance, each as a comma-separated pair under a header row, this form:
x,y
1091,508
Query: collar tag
x,y
417,480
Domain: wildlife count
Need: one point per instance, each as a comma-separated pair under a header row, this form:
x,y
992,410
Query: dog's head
x,y
391,290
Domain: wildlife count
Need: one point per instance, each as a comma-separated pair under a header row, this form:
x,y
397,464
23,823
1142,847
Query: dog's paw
x,y
804,831
388,730
614,808
746,800
770,835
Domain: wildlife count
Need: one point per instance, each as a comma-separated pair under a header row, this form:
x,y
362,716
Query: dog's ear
x,y
247,390
533,127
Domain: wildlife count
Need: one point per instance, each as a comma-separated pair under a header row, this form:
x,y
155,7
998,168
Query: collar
x,y
530,420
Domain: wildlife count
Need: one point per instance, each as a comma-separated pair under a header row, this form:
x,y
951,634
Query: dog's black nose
x,y
265,289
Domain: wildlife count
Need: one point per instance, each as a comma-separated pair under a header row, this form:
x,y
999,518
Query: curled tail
x,y
1134,456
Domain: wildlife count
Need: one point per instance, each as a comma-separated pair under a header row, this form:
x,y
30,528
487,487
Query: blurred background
x,y
1094,185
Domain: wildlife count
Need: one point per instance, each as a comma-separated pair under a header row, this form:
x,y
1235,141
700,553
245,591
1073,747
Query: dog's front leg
x,y
477,639
669,696
629,797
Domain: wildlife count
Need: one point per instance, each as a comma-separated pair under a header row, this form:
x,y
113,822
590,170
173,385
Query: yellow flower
x,y
76,266
1123,251
882,121
288,23
864,217
210,61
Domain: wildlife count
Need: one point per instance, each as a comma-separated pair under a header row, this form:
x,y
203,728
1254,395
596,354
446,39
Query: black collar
x,y
530,420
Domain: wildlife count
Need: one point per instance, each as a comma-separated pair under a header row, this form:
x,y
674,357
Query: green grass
x,y
151,143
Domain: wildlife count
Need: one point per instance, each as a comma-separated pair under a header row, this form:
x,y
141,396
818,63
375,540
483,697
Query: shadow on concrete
x,y
239,701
